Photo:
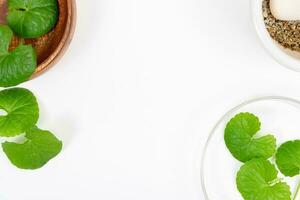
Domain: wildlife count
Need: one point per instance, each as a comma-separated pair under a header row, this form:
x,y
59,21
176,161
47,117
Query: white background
x,y
136,95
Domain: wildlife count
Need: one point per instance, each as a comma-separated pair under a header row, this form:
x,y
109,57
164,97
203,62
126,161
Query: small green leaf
x,y
257,180
16,66
40,147
32,18
288,158
22,111
240,140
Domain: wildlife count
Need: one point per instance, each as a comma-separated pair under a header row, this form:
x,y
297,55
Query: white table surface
x,y
136,95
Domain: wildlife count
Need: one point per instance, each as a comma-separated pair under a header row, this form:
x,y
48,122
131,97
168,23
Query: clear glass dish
x,y
279,116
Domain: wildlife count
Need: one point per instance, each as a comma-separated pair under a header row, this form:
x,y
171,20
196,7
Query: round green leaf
x,y
241,141
40,147
257,180
32,18
16,66
22,111
288,158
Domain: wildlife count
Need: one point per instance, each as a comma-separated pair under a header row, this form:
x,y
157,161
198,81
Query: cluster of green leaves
x,y
26,19
258,178
22,113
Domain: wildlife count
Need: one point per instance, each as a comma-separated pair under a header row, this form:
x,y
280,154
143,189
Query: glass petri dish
x,y
279,116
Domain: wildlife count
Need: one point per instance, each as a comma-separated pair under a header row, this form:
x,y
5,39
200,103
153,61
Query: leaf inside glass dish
x,y
257,180
240,138
288,158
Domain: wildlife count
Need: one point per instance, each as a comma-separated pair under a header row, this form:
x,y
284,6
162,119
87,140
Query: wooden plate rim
x,y
63,44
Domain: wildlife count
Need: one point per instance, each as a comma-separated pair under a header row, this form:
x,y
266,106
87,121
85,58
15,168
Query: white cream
x,y
285,9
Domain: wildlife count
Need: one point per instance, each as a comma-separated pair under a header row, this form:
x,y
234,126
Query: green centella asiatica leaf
x,y
257,180
18,65
288,158
32,18
22,111
240,138
40,147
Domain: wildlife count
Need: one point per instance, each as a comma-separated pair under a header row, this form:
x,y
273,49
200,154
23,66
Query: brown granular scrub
x,y
286,33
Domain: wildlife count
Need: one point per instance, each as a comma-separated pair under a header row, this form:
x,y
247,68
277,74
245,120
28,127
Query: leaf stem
x,y
297,191
271,183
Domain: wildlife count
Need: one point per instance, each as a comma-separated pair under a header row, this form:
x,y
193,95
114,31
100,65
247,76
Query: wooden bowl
x,y
50,47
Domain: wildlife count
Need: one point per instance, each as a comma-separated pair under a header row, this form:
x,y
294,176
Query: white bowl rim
x,y
272,48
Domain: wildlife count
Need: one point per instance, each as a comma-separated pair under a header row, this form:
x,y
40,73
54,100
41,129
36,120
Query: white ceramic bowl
x,y
284,57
